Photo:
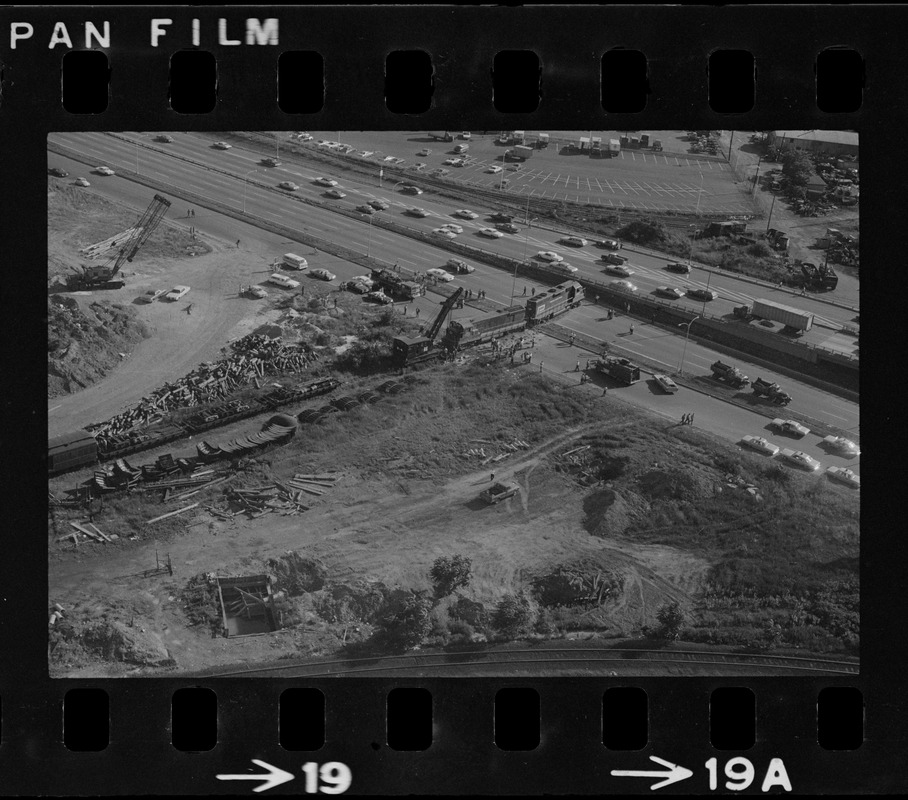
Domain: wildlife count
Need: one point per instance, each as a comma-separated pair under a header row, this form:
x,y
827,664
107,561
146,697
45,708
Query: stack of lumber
x,y
264,500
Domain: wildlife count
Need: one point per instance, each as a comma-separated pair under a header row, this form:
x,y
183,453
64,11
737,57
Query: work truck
x,y
622,369
731,375
394,285
793,318
500,491
771,391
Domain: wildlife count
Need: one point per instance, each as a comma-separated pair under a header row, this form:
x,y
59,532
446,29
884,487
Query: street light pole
x,y
771,207
686,335
137,158
369,246
699,194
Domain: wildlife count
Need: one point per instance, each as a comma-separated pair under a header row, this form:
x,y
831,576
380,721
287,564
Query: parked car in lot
x,y
288,185
626,286
355,286
440,274
460,266
677,266
490,233
57,172
609,244
410,189
151,295
789,427
702,294
450,162
617,269
221,146
574,241
508,227
465,135
322,274
163,138
365,208
761,445
799,459
284,281
104,171
335,194
257,292
380,205
325,182
549,255
177,293
365,279
494,170
670,291
379,297
844,475
666,384
463,213
444,233
417,212
454,227
424,152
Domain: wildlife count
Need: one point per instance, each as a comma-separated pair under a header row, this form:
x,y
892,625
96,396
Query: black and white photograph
x,y
460,403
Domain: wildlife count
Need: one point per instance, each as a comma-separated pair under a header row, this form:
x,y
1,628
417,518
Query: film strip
x,y
467,669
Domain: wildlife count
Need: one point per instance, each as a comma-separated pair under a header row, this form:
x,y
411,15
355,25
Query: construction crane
x,y
411,350
102,276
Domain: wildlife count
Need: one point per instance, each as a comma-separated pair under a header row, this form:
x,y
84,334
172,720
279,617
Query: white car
x,y
460,266
563,266
491,233
417,212
365,208
494,170
845,475
842,445
363,279
574,241
335,194
440,274
761,445
453,227
445,233
325,182
104,171
81,182
424,152
549,255
177,293
221,146
626,286
322,274
379,204
617,269
151,295
790,427
799,459
463,213
449,162
465,135
304,137
666,383
289,185
379,297
284,281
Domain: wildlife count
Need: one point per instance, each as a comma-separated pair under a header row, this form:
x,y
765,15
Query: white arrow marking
x,y
274,777
674,774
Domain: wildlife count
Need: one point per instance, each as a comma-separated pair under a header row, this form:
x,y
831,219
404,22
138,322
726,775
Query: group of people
x,y
480,295
687,419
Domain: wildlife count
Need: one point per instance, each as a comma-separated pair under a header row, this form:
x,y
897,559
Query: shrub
x,y
405,622
512,616
469,612
450,574
671,618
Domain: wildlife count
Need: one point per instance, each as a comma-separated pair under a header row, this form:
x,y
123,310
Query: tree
x,y
405,621
512,615
450,574
470,612
797,168
671,618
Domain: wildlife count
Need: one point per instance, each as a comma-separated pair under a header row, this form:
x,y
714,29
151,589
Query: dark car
x,y
508,227
164,138
677,266
57,172
409,189
702,294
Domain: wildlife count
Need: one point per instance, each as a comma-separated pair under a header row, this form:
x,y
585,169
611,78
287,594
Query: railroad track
x,y
576,657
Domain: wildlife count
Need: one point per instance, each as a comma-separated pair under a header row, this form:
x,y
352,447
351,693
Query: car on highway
x,y
761,445
666,384
844,475
799,459
322,274
618,269
669,291
379,297
626,286
451,226
563,266
498,216
549,255
417,212
151,295
284,281
444,233
494,170
410,189
81,182
335,194
574,241
288,185
57,172
508,227
424,152
379,204
257,291
841,445
789,427
463,213
677,266
104,171
163,138
702,294
356,287
363,279
490,233
177,293
612,258
270,162
460,266
325,182
221,146
608,244
365,208
440,274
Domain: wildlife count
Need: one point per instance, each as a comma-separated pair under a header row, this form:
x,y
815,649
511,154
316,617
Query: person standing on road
x,y
572,339
540,365
632,330
690,419
492,477
417,311
237,244
577,366
524,291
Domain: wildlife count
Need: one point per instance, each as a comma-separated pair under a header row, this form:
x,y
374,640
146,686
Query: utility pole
x,y
771,207
730,140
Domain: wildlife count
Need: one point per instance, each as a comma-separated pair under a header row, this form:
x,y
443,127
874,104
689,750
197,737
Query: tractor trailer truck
x,y
614,147
791,317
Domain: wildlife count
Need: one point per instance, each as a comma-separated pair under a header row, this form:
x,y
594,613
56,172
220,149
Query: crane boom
x,y
435,327
149,221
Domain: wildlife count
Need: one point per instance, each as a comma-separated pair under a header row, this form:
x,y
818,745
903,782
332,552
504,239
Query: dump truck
x,y
622,369
771,391
731,375
790,317
394,285
500,491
